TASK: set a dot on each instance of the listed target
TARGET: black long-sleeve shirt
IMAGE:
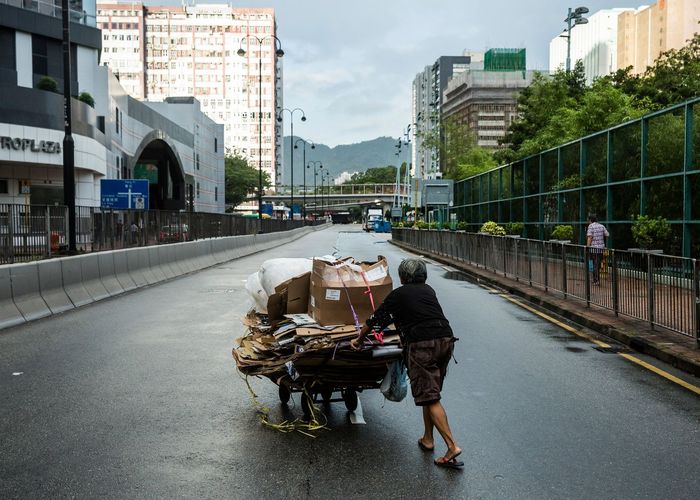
(415, 311)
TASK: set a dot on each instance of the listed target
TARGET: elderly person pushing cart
(428, 344)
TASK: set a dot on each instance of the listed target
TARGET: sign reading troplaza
(21, 144)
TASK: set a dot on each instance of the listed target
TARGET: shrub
(47, 83)
(87, 99)
(564, 232)
(514, 228)
(461, 226)
(491, 227)
(421, 224)
(650, 232)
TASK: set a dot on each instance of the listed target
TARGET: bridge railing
(662, 290)
(31, 232)
(344, 190)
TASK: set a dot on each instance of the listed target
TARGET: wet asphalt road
(138, 397)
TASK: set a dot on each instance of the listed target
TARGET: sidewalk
(672, 348)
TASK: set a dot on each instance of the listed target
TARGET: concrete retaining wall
(36, 290)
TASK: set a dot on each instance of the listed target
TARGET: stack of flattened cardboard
(301, 350)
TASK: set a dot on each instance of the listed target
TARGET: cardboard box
(336, 285)
(290, 297)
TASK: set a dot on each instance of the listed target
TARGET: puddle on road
(576, 349)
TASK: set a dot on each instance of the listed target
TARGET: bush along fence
(660, 289)
(31, 232)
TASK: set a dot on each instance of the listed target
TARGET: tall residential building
(645, 33)
(168, 51)
(427, 96)
(595, 44)
(486, 99)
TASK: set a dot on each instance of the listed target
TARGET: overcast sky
(349, 64)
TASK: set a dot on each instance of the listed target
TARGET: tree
(460, 155)
(241, 179)
(377, 175)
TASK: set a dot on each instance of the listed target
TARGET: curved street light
(313, 146)
(291, 142)
(320, 166)
(279, 53)
(574, 18)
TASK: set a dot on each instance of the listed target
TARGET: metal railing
(31, 232)
(662, 290)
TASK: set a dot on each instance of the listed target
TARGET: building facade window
(197, 190)
(216, 193)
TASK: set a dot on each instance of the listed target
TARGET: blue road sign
(124, 194)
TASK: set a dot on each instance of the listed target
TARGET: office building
(486, 99)
(645, 33)
(594, 44)
(169, 51)
(172, 144)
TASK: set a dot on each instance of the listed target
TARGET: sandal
(424, 447)
(449, 463)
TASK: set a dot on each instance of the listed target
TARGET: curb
(671, 354)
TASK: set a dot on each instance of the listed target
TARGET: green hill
(342, 158)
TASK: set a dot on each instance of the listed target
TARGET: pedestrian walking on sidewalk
(596, 237)
(428, 343)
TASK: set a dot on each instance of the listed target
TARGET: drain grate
(613, 349)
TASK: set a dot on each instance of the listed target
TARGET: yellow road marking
(662, 373)
(629, 357)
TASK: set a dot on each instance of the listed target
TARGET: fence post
(11, 232)
(615, 284)
(505, 274)
(587, 256)
(696, 296)
(650, 289)
(48, 231)
(517, 259)
(545, 260)
(529, 262)
(564, 279)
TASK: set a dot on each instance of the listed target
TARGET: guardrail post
(650, 289)
(517, 259)
(615, 284)
(503, 242)
(529, 262)
(564, 280)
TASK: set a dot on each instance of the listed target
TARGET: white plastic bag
(273, 272)
(257, 293)
(395, 383)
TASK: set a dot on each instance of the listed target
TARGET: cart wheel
(350, 399)
(307, 404)
(327, 394)
(284, 394)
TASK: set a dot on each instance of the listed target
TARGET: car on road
(173, 233)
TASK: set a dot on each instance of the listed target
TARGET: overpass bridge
(334, 198)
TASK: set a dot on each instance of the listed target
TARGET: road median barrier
(72, 272)
(9, 314)
(51, 286)
(109, 280)
(26, 292)
(121, 270)
(91, 276)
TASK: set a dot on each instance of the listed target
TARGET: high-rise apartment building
(191, 50)
(645, 33)
(594, 44)
(427, 97)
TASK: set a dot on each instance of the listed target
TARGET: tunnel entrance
(158, 163)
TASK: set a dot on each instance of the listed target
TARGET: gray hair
(413, 271)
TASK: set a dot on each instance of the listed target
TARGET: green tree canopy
(377, 175)
(241, 179)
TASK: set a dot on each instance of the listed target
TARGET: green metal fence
(648, 166)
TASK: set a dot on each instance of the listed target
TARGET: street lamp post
(327, 176)
(574, 18)
(279, 53)
(304, 167)
(291, 142)
(68, 143)
(309, 165)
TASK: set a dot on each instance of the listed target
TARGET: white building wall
(23, 59)
(594, 43)
(87, 69)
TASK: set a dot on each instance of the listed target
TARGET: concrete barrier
(205, 252)
(26, 292)
(164, 261)
(153, 260)
(173, 262)
(9, 314)
(121, 269)
(90, 266)
(51, 286)
(182, 257)
(72, 272)
(105, 261)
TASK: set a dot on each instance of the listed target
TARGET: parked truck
(372, 214)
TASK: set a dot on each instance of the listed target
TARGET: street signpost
(124, 194)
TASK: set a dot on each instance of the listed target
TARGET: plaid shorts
(427, 362)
